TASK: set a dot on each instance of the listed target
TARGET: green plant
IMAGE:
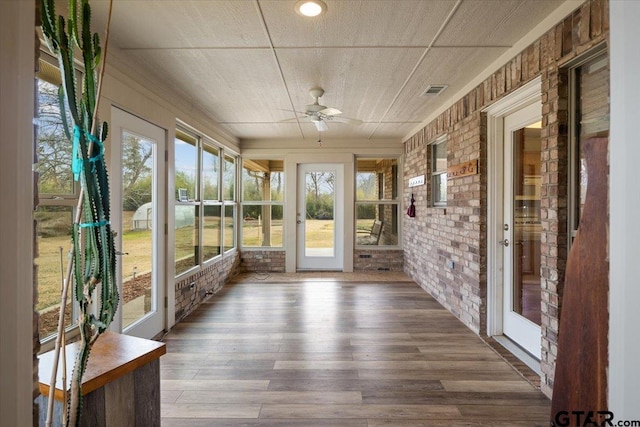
(92, 265)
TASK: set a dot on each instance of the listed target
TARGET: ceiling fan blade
(330, 111)
(347, 120)
(321, 125)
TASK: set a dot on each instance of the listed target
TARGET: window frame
(573, 184)
(381, 202)
(435, 173)
(201, 143)
(271, 203)
(65, 200)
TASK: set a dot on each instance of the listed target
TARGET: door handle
(504, 242)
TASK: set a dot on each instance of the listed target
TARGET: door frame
(303, 261)
(528, 94)
(521, 330)
(119, 122)
(292, 161)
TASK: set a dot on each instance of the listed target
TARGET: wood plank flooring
(336, 350)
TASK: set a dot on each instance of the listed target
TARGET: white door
(138, 203)
(522, 229)
(319, 217)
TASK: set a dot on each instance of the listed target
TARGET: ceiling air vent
(434, 90)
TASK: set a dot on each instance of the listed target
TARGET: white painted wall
(17, 36)
(624, 221)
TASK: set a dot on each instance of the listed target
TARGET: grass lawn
(137, 243)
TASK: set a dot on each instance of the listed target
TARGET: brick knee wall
(192, 290)
(262, 261)
(378, 260)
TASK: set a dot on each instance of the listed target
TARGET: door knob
(504, 242)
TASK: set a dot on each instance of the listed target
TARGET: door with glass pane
(522, 228)
(138, 204)
(320, 233)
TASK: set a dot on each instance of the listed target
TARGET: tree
(54, 150)
(320, 186)
(136, 172)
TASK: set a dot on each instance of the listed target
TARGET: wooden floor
(332, 349)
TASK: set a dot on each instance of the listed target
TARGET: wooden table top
(112, 356)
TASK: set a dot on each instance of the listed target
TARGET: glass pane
(211, 231)
(229, 178)
(440, 157)
(229, 227)
(439, 184)
(376, 179)
(210, 168)
(53, 146)
(592, 119)
(319, 222)
(186, 164)
(186, 237)
(439, 174)
(366, 186)
(376, 224)
(262, 180)
(527, 229)
(262, 226)
(138, 218)
(54, 242)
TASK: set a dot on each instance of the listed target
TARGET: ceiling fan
(319, 114)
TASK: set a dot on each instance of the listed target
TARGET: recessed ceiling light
(310, 7)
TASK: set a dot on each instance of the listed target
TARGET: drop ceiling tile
(264, 130)
(494, 22)
(182, 24)
(360, 82)
(450, 66)
(234, 85)
(357, 23)
(392, 130)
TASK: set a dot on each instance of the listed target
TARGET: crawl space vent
(434, 90)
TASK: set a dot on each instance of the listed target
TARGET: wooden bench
(121, 385)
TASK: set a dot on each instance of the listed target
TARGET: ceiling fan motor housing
(316, 92)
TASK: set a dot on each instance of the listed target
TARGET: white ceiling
(249, 63)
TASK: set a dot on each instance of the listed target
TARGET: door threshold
(524, 356)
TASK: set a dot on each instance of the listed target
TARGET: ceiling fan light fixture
(310, 8)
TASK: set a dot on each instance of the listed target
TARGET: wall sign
(463, 169)
(416, 181)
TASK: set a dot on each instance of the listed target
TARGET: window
(58, 198)
(201, 215)
(262, 203)
(377, 204)
(439, 172)
(589, 83)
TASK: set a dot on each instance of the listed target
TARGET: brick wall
(195, 288)
(443, 250)
(378, 260)
(262, 261)
(437, 237)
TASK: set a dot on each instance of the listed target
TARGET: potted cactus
(91, 268)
